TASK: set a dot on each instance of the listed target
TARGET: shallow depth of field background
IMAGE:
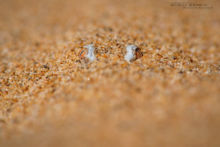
(169, 97)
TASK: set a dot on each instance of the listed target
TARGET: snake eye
(138, 53)
(82, 54)
(90, 54)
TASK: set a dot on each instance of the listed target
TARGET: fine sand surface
(50, 97)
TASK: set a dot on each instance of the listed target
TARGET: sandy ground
(50, 97)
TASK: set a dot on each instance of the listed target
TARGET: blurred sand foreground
(49, 97)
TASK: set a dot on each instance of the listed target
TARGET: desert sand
(50, 97)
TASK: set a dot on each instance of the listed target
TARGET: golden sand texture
(50, 97)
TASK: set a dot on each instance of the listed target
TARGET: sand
(49, 96)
